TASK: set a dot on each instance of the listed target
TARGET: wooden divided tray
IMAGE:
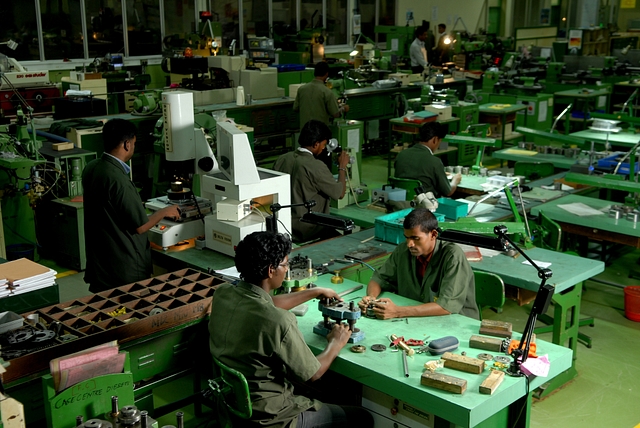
(125, 313)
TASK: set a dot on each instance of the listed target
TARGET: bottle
(240, 96)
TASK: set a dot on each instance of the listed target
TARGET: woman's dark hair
(421, 217)
(116, 131)
(259, 251)
(313, 132)
(432, 129)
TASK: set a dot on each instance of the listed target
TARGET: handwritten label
(87, 390)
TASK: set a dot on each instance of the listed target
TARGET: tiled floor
(606, 392)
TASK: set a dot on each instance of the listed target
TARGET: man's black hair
(313, 132)
(259, 251)
(421, 217)
(321, 69)
(420, 31)
(442, 25)
(115, 132)
(432, 129)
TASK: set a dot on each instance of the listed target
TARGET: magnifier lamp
(10, 44)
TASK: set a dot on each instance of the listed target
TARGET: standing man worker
(418, 51)
(115, 222)
(252, 331)
(419, 163)
(315, 101)
(441, 47)
(425, 269)
(312, 180)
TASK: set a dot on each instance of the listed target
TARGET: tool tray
(150, 306)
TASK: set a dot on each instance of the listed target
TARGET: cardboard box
(402, 77)
(443, 112)
(62, 146)
(293, 89)
(260, 84)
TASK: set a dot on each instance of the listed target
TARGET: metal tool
(351, 290)
(334, 312)
(404, 362)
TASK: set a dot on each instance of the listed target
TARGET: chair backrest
(231, 387)
(489, 290)
(408, 184)
(533, 170)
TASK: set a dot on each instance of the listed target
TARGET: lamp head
(332, 144)
(10, 44)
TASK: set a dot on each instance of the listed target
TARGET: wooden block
(486, 343)
(496, 333)
(496, 325)
(62, 146)
(492, 382)
(444, 382)
(463, 363)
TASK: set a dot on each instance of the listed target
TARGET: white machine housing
(19, 76)
(239, 179)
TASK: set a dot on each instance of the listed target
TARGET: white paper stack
(23, 275)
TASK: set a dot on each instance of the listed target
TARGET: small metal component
(613, 213)
(502, 359)
(463, 353)
(337, 279)
(156, 311)
(350, 290)
(485, 357)
(180, 419)
(97, 423)
(129, 415)
(79, 420)
(19, 336)
(358, 349)
(405, 364)
(378, 347)
(143, 419)
(43, 336)
(114, 406)
(633, 216)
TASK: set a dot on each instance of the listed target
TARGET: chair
(533, 170)
(232, 390)
(408, 184)
(489, 291)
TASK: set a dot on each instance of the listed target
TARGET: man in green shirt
(425, 269)
(419, 162)
(312, 180)
(315, 101)
(253, 332)
(115, 222)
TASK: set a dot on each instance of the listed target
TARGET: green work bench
(625, 139)
(501, 114)
(569, 273)
(383, 371)
(582, 98)
(522, 155)
(599, 227)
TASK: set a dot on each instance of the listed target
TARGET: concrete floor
(607, 389)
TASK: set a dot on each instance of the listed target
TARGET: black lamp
(327, 220)
(545, 291)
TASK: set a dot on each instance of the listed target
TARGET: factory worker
(425, 269)
(315, 101)
(418, 51)
(253, 332)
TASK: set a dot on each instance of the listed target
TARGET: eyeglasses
(284, 265)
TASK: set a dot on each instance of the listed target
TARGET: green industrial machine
(399, 38)
(286, 78)
(350, 136)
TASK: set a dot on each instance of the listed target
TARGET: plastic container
(632, 302)
(240, 96)
(20, 251)
(389, 228)
(610, 162)
(452, 209)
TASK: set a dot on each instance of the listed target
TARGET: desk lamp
(320, 219)
(545, 291)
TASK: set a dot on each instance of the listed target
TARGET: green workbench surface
(628, 139)
(580, 93)
(598, 222)
(628, 84)
(383, 371)
(17, 162)
(515, 154)
(362, 217)
(472, 184)
(501, 109)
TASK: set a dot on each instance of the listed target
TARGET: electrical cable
(524, 405)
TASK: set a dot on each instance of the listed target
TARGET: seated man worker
(425, 269)
(419, 163)
(254, 332)
(312, 180)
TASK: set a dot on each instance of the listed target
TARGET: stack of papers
(75, 368)
(23, 275)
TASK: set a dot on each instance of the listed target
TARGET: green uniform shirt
(247, 332)
(116, 253)
(315, 101)
(418, 163)
(310, 180)
(448, 278)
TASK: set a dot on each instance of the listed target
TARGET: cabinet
(595, 41)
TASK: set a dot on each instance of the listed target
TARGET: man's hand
(385, 309)
(345, 108)
(172, 212)
(343, 159)
(366, 301)
(328, 293)
(339, 335)
(456, 179)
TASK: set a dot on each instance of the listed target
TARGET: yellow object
(337, 279)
